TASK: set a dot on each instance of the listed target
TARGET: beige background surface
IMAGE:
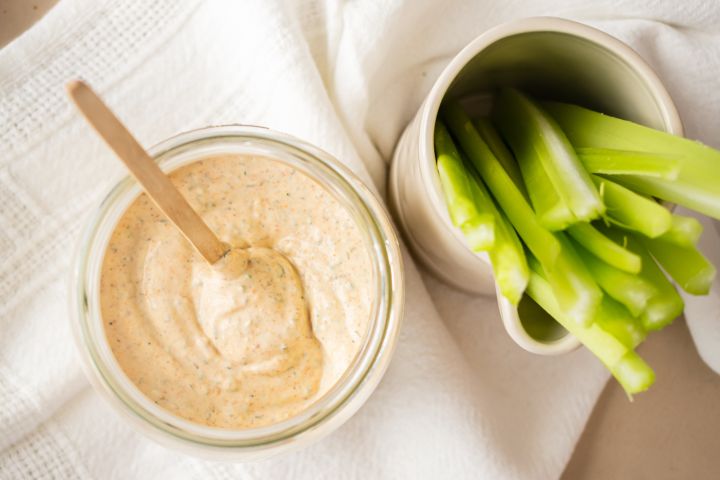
(669, 433)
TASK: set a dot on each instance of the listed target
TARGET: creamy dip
(259, 336)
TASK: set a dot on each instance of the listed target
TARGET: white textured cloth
(460, 400)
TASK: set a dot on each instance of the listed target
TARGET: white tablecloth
(460, 399)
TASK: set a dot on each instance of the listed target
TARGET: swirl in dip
(256, 338)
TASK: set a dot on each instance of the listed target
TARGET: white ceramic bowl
(551, 58)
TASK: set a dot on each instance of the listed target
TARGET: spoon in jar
(155, 183)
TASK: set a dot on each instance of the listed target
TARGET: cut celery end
(497, 146)
(479, 232)
(684, 231)
(663, 307)
(453, 182)
(686, 265)
(605, 249)
(539, 240)
(552, 211)
(573, 286)
(601, 343)
(633, 211)
(629, 289)
(626, 162)
(453, 179)
(507, 255)
(699, 164)
(633, 373)
(533, 133)
(614, 318)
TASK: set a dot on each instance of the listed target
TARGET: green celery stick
(477, 227)
(615, 319)
(507, 255)
(684, 231)
(552, 210)
(633, 211)
(530, 131)
(611, 316)
(633, 373)
(497, 146)
(539, 240)
(686, 265)
(629, 289)
(626, 162)
(573, 286)
(687, 195)
(663, 307)
(610, 351)
(604, 248)
(479, 232)
(698, 183)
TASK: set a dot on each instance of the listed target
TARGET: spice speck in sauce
(256, 338)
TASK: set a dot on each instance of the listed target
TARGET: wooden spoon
(155, 183)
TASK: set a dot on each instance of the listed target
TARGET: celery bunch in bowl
(565, 202)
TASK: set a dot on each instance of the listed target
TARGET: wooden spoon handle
(156, 184)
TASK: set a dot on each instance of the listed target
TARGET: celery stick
(532, 132)
(540, 241)
(477, 228)
(684, 231)
(626, 162)
(604, 248)
(663, 307)
(615, 319)
(479, 232)
(686, 265)
(573, 286)
(497, 146)
(611, 316)
(552, 210)
(676, 191)
(698, 183)
(620, 360)
(629, 289)
(633, 373)
(507, 255)
(633, 211)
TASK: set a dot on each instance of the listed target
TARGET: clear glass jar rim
(368, 366)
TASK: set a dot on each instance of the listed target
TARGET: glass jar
(329, 411)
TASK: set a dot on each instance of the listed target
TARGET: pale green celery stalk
(617, 357)
(625, 162)
(684, 231)
(507, 255)
(633, 211)
(663, 307)
(497, 146)
(552, 211)
(477, 227)
(539, 240)
(700, 200)
(573, 286)
(686, 265)
(604, 248)
(698, 183)
(531, 131)
(614, 318)
(629, 289)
